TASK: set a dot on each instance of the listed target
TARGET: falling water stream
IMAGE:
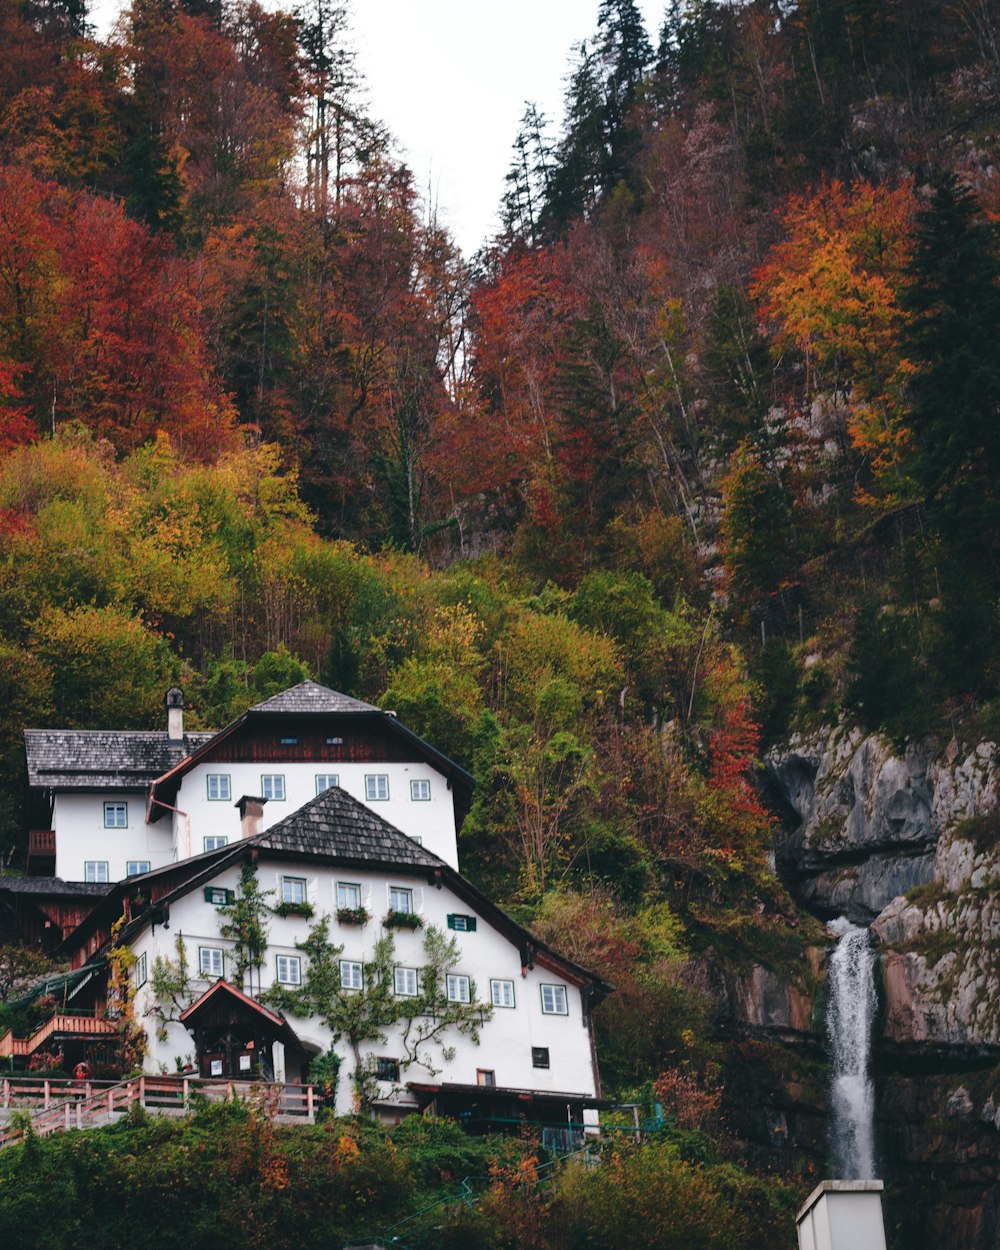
(850, 1017)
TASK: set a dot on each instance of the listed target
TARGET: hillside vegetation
(702, 448)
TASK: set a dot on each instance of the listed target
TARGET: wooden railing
(89, 1026)
(63, 1105)
(42, 842)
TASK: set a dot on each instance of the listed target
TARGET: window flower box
(402, 920)
(352, 915)
(305, 910)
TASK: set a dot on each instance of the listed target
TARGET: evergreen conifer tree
(953, 298)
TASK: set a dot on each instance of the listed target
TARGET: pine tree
(953, 298)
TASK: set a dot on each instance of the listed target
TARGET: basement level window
(554, 1001)
(95, 870)
(115, 815)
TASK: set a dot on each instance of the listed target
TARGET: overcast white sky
(450, 79)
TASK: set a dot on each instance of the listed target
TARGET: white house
(337, 862)
(109, 804)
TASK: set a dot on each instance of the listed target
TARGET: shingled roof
(102, 759)
(50, 886)
(336, 825)
(310, 696)
(336, 828)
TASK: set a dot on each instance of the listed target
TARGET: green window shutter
(219, 897)
(451, 921)
(463, 924)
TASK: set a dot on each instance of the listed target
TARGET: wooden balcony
(58, 1025)
(41, 851)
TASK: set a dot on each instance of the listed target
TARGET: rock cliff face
(863, 823)
(908, 842)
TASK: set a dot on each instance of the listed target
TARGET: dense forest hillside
(701, 451)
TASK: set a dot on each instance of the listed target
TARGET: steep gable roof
(310, 696)
(103, 759)
(336, 826)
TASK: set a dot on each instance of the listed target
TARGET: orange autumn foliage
(830, 290)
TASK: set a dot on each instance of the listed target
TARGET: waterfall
(850, 1017)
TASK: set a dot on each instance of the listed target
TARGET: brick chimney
(251, 814)
(175, 714)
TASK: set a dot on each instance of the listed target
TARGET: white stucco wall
(506, 1040)
(81, 835)
(433, 820)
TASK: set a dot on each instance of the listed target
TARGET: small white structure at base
(842, 1215)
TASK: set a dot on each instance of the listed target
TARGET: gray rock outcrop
(863, 821)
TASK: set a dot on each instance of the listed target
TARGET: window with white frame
(272, 786)
(210, 961)
(376, 787)
(293, 889)
(554, 1002)
(502, 993)
(458, 988)
(136, 867)
(219, 787)
(115, 815)
(326, 781)
(289, 970)
(400, 899)
(140, 971)
(95, 870)
(348, 896)
(405, 982)
(351, 975)
(214, 840)
(420, 791)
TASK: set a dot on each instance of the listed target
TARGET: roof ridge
(311, 696)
